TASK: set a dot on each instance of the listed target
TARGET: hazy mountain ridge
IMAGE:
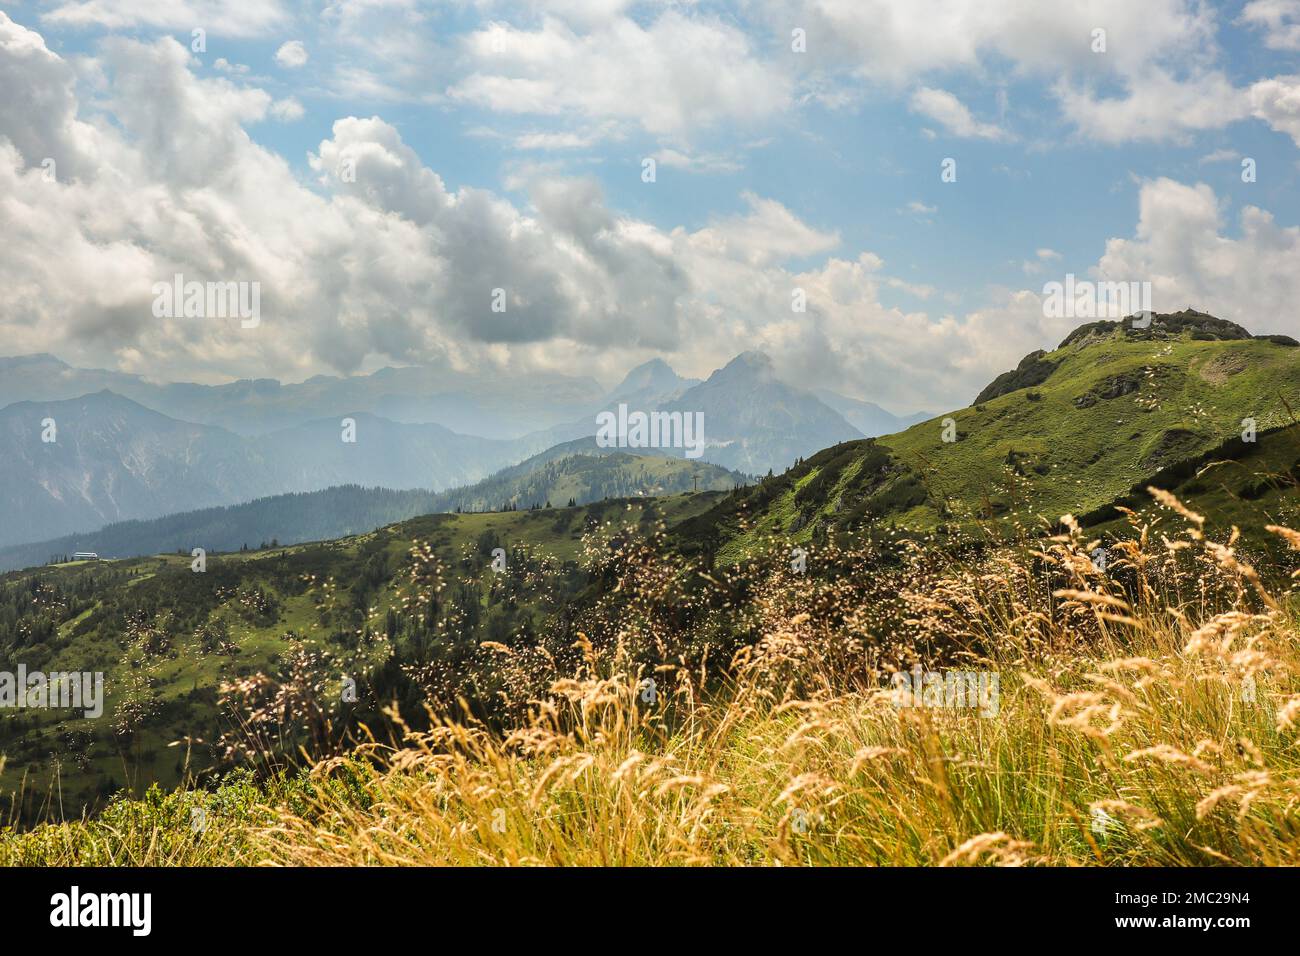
(115, 460)
(118, 458)
(868, 417)
(580, 472)
(493, 406)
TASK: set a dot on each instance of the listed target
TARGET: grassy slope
(1132, 739)
(1030, 456)
(186, 680)
(1192, 395)
(587, 476)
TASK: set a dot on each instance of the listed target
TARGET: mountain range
(575, 473)
(130, 449)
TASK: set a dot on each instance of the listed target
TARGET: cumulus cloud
(1038, 263)
(896, 43)
(676, 73)
(235, 18)
(1120, 71)
(1156, 106)
(380, 259)
(1277, 102)
(1182, 247)
(42, 122)
(387, 261)
(1279, 19)
(288, 110)
(291, 55)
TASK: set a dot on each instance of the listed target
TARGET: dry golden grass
(1147, 714)
(1130, 731)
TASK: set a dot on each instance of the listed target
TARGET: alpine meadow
(590, 434)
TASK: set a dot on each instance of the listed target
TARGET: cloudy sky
(798, 144)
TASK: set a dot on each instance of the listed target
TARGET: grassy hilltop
(1070, 432)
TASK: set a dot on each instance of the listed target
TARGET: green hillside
(422, 594)
(582, 472)
(1069, 432)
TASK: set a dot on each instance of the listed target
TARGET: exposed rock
(1174, 444)
(1118, 385)
(1166, 325)
(1034, 369)
(1113, 387)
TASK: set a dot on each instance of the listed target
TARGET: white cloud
(1277, 102)
(1219, 156)
(1280, 19)
(897, 43)
(160, 177)
(234, 18)
(1041, 257)
(1161, 55)
(291, 55)
(697, 162)
(288, 110)
(675, 74)
(552, 141)
(768, 233)
(949, 112)
(1156, 106)
(1180, 246)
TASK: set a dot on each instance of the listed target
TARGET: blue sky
(777, 169)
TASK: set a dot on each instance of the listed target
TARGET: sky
(380, 167)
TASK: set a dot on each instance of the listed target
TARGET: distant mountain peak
(655, 366)
(752, 366)
(35, 358)
(655, 378)
(752, 359)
